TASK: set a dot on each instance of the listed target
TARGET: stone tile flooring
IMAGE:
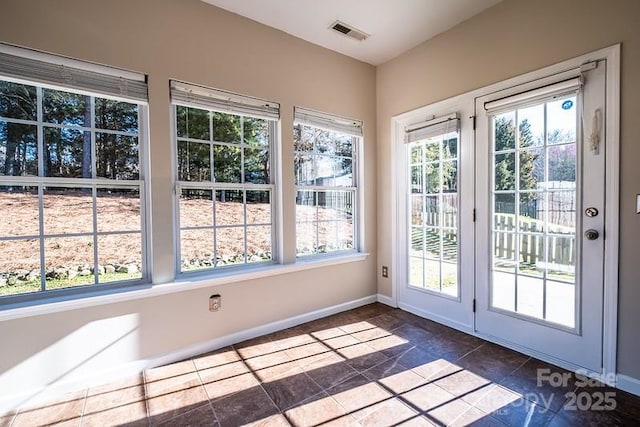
(373, 365)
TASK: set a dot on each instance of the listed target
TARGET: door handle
(591, 234)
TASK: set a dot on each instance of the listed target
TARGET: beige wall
(514, 37)
(195, 42)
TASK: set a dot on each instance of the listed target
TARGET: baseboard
(628, 384)
(51, 391)
(442, 320)
(248, 334)
(383, 299)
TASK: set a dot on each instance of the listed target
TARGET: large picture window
(224, 155)
(71, 184)
(326, 149)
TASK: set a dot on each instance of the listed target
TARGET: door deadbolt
(591, 234)
(591, 212)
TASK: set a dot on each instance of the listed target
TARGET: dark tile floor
(370, 366)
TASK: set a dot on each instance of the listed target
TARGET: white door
(436, 212)
(540, 180)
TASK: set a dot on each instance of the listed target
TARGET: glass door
(540, 200)
(436, 213)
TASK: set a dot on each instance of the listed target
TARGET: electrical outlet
(385, 271)
(215, 302)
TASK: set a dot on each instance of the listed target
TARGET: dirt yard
(64, 214)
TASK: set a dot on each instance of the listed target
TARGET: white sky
(557, 117)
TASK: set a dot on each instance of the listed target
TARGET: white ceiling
(394, 26)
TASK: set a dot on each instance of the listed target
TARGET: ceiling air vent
(348, 31)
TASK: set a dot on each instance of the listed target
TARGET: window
(224, 149)
(432, 149)
(71, 176)
(326, 162)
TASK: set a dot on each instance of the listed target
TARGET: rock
(3, 281)
(255, 258)
(59, 273)
(12, 280)
(85, 272)
(22, 274)
(131, 269)
(33, 275)
(121, 269)
(71, 274)
(101, 269)
(109, 269)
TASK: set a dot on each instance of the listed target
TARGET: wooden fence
(561, 250)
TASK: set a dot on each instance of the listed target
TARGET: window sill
(181, 284)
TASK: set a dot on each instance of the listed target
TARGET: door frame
(612, 190)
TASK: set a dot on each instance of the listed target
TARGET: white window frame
(355, 129)
(216, 100)
(47, 71)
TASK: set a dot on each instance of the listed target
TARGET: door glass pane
(531, 169)
(433, 242)
(504, 176)
(561, 258)
(505, 131)
(561, 121)
(432, 273)
(534, 211)
(561, 214)
(530, 296)
(531, 126)
(449, 278)
(503, 290)
(560, 303)
(417, 210)
(416, 271)
(433, 178)
(432, 211)
(562, 165)
(531, 254)
(504, 212)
